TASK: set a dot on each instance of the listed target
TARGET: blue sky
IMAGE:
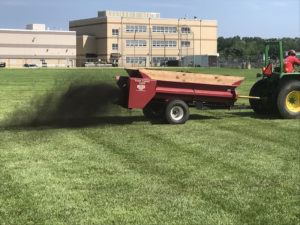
(260, 18)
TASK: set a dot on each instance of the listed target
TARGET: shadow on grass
(254, 115)
(94, 122)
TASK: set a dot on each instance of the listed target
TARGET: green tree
(251, 48)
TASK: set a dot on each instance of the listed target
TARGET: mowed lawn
(221, 167)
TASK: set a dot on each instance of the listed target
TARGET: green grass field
(221, 167)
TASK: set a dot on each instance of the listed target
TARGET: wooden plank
(214, 79)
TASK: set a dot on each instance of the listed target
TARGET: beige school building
(142, 39)
(36, 46)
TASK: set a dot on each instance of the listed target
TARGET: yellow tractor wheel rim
(293, 101)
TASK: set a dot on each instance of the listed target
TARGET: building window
(134, 28)
(115, 32)
(136, 43)
(164, 43)
(185, 30)
(162, 61)
(90, 57)
(186, 44)
(136, 60)
(157, 29)
(115, 46)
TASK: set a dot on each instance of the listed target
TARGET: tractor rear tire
(288, 101)
(265, 105)
(177, 112)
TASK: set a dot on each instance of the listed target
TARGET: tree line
(252, 48)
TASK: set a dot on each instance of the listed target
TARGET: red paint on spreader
(141, 89)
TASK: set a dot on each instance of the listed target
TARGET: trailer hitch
(251, 97)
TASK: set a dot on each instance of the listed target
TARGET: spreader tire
(177, 112)
(264, 105)
(288, 101)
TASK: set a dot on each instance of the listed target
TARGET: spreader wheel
(288, 101)
(177, 112)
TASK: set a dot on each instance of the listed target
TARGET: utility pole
(200, 36)
(118, 48)
(164, 49)
(194, 49)
(134, 48)
(186, 43)
(179, 43)
(150, 44)
(122, 51)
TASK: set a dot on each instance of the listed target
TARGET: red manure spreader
(169, 94)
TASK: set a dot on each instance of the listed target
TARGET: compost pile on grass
(78, 105)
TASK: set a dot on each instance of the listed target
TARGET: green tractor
(278, 92)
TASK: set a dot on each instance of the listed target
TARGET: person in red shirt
(290, 61)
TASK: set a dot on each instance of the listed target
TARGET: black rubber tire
(177, 112)
(265, 105)
(285, 89)
(153, 110)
